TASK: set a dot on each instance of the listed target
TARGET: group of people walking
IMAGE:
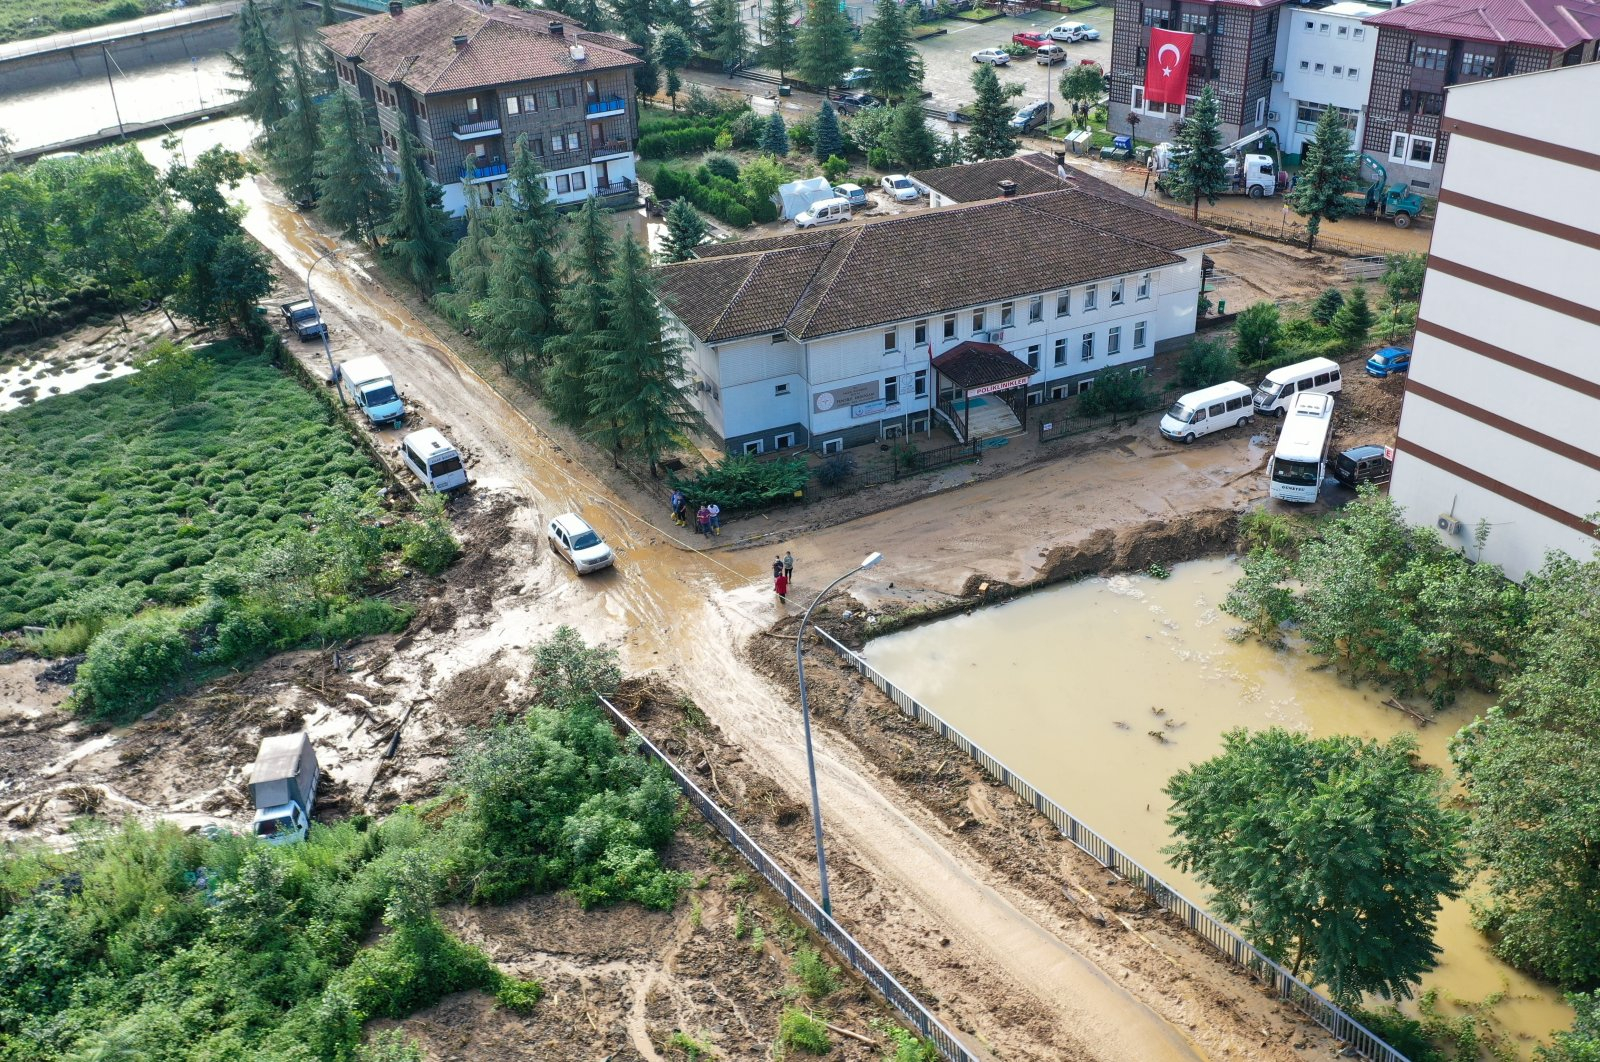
(707, 519)
(782, 572)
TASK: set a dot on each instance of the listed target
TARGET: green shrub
(764, 211)
(391, 1045)
(413, 967)
(131, 665)
(1206, 362)
(742, 482)
(1116, 390)
(519, 996)
(723, 166)
(430, 545)
(799, 1031)
(817, 979)
(836, 469)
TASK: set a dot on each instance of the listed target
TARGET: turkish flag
(1166, 72)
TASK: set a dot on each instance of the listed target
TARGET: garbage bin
(783, 90)
(1222, 307)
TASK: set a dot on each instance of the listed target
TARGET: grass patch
(109, 488)
(977, 14)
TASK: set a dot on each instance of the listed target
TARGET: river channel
(1098, 692)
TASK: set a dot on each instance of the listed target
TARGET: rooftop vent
(459, 40)
(558, 29)
(1008, 188)
(395, 7)
(579, 53)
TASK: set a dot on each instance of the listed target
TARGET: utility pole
(105, 54)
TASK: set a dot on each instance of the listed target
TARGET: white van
(1207, 410)
(433, 460)
(1319, 376)
(823, 212)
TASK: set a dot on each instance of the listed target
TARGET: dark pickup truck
(303, 319)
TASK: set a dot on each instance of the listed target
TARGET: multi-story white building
(827, 338)
(1324, 59)
(1498, 424)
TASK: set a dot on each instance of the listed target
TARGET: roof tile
(1553, 24)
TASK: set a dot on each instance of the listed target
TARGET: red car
(1030, 40)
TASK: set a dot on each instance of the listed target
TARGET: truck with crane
(1250, 173)
(1381, 199)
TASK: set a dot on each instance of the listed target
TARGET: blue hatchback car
(1389, 360)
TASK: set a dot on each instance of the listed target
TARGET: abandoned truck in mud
(283, 787)
(371, 387)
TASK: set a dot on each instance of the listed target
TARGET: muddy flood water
(1098, 692)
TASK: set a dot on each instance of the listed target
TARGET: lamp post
(332, 375)
(805, 719)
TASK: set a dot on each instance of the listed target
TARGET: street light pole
(332, 375)
(805, 719)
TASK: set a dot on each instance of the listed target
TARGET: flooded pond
(61, 373)
(1098, 692)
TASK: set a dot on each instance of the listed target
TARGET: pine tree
(1327, 305)
(780, 40)
(952, 152)
(826, 140)
(640, 400)
(1328, 173)
(518, 317)
(328, 15)
(1199, 166)
(418, 230)
(471, 262)
(634, 18)
(259, 64)
(822, 48)
(991, 137)
(1354, 319)
(673, 51)
(352, 194)
(294, 150)
(581, 313)
(909, 139)
(775, 137)
(729, 44)
(895, 63)
(685, 229)
(682, 14)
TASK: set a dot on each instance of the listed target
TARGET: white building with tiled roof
(826, 338)
(468, 79)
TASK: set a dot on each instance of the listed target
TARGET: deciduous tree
(518, 315)
(1402, 276)
(823, 45)
(780, 42)
(1199, 167)
(895, 63)
(1331, 854)
(685, 229)
(418, 229)
(673, 51)
(175, 374)
(352, 194)
(991, 137)
(215, 272)
(1258, 334)
(1328, 174)
(1084, 83)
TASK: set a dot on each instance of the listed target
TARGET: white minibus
(433, 460)
(1318, 375)
(1301, 457)
(1207, 410)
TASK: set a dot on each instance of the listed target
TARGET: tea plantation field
(108, 487)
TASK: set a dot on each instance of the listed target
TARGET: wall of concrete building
(58, 62)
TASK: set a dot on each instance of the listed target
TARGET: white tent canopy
(799, 195)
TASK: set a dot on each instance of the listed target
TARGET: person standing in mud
(677, 507)
(777, 567)
(780, 583)
(716, 518)
(702, 520)
(788, 565)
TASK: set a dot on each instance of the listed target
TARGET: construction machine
(1250, 173)
(1382, 199)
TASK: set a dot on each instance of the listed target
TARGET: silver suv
(580, 544)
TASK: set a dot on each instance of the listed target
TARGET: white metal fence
(1234, 947)
(842, 942)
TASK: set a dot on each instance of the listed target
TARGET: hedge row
(689, 141)
(728, 201)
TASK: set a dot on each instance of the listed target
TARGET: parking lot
(948, 66)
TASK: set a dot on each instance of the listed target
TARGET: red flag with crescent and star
(1166, 72)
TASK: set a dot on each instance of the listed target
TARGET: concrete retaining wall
(76, 61)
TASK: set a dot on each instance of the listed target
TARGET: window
(1116, 293)
(1305, 64)
(1421, 151)
(1318, 69)
(390, 142)
(891, 340)
(1144, 285)
(1190, 22)
(422, 110)
(538, 145)
(1477, 64)
(591, 91)
(1091, 297)
(1033, 357)
(472, 106)
(554, 96)
(919, 383)
(833, 446)
(891, 390)
(1138, 335)
(1008, 315)
(778, 337)
(949, 326)
(784, 441)
(1157, 17)
(1306, 116)
(1338, 71)
(780, 390)
(1322, 29)
(1344, 31)
(513, 106)
(1084, 385)
(1086, 347)
(1352, 73)
(1063, 303)
(530, 103)
(1061, 351)
(977, 320)
(1425, 58)
(919, 333)
(1412, 150)
(1036, 309)
(1360, 34)
(1309, 25)
(1114, 341)
(753, 447)
(480, 150)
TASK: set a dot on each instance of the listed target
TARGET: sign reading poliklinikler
(1166, 71)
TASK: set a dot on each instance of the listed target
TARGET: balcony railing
(487, 172)
(609, 147)
(612, 105)
(476, 130)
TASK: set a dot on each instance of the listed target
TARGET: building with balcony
(1324, 60)
(836, 336)
(1425, 47)
(467, 79)
(1504, 389)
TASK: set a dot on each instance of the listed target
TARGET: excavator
(1249, 172)
(1381, 199)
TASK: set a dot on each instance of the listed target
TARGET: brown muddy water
(1098, 692)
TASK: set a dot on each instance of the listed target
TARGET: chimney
(1008, 188)
(579, 53)
(395, 7)
(558, 29)
(459, 40)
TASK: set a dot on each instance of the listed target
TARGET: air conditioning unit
(1448, 524)
(997, 335)
(1272, 116)
(1277, 77)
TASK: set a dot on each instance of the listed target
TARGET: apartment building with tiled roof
(829, 337)
(1427, 46)
(468, 78)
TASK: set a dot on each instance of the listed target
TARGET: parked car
(991, 55)
(1032, 116)
(851, 102)
(1388, 361)
(1030, 40)
(1050, 54)
(303, 319)
(579, 544)
(853, 194)
(1072, 32)
(1362, 464)
(859, 76)
(823, 212)
(898, 186)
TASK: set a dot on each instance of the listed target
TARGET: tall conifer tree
(418, 230)
(518, 317)
(582, 315)
(352, 194)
